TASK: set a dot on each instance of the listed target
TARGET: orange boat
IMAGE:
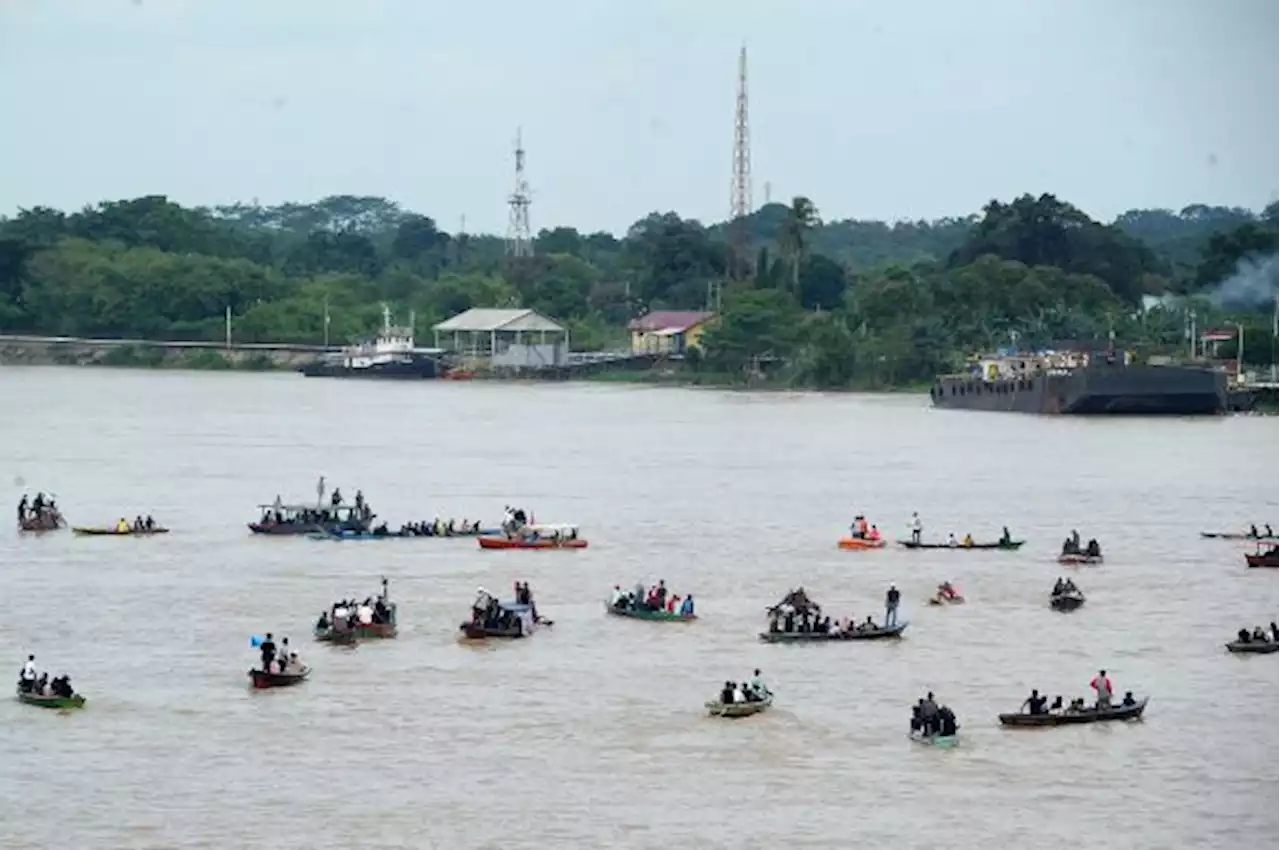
(536, 537)
(857, 543)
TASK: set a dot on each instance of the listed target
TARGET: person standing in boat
(891, 598)
(27, 678)
(758, 686)
(917, 528)
(22, 508)
(928, 715)
(37, 504)
(268, 651)
(1005, 537)
(1101, 685)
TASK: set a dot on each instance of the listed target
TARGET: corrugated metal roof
(665, 319)
(485, 319)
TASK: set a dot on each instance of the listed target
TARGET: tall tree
(793, 236)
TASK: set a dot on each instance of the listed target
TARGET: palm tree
(793, 236)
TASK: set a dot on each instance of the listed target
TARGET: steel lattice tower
(740, 204)
(519, 237)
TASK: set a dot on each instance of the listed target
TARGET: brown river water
(592, 733)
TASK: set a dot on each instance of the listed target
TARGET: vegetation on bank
(839, 304)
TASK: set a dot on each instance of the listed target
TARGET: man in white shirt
(365, 614)
(29, 673)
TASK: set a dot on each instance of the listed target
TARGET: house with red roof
(668, 332)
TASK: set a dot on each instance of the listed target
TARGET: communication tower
(519, 238)
(740, 205)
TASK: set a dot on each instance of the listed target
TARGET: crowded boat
(1065, 596)
(1072, 552)
(931, 722)
(334, 516)
(1259, 641)
(350, 619)
(38, 689)
(655, 603)
(799, 618)
(39, 514)
(442, 528)
(491, 617)
(280, 663)
(1036, 710)
(739, 699)
(862, 535)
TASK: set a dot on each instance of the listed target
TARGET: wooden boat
(116, 532)
(1255, 647)
(537, 537)
(878, 633)
(361, 631)
(939, 599)
(354, 534)
(263, 679)
(1070, 718)
(291, 520)
(646, 614)
(943, 742)
(1010, 545)
(1066, 601)
(526, 624)
(1263, 558)
(715, 708)
(860, 543)
(45, 522)
(1235, 535)
(476, 631)
(73, 701)
(1080, 559)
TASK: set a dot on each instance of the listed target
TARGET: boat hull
(260, 679)
(1232, 535)
(410, 368)
(833, 637)
(471, 631)
(1253, 647)
(1095, 390)
(1080, 560)
(373, 631)
(856, 544)
(539, 543)
(1065, 602)
(1012, 545)
(112, 532)
(715, 708)
(657, 616)
(1131, 712)
(75, 701)
(395, 535)
(1268, 561)
(942, 742)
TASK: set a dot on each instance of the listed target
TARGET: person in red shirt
(1101, 685)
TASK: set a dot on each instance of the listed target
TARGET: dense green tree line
(823, 303)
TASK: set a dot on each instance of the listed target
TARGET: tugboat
(1077, 381)
(390, 355)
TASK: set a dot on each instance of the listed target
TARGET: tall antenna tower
(740, 205)
(519, 239)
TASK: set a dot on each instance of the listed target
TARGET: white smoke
(1254, 284)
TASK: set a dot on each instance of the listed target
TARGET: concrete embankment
(76, 351)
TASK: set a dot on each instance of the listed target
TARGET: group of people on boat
(514, 520)
(930, 720)
(656, 598)
(38, 512)
(813, 622)
(351, 614)
(1071, 546)
(1065, 587)
(138, 526)
(437, 528)
(40, 685)
(490, 614)
(860, 530)
(753, 691)
(1101, 686)
(1266, 534)
(948, 592)
(279, 660)
(1259, 635)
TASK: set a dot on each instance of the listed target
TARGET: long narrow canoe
(1255, 647)
(115, 532)
(395, 535)
(1070, 718)
(823, 637)
(646, 614)
(944, 742)
(1235, 535)
(262, 679)
(74, 701)
(999, 544)
(715, 708)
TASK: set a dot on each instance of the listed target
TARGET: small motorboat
(860, 543)
(264, 679)
(73, 701)
(1253, 647)
(715, 708)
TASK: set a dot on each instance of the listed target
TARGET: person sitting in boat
(1035, 704)
(686, 606)
(1059, 587)
(874, 534)
(1005, 537)
(726, 693)
(336, 499)
(946, 590)
(951, 540)
(1068, 548)
(868, 625)
(968, 540)
(1093, 550)
(1056, 706)
(946, 726)
(122, 527)
(917, 717)
(1259, 635)
(1128, 699)
(61, 687)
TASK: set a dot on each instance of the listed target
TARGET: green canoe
(945, 742)
(645, 614)
(76, 701)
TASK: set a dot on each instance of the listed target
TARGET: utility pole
(228, 326)
(519, 238)
(740, 204)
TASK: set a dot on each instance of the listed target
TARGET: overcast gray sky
(890, 109)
